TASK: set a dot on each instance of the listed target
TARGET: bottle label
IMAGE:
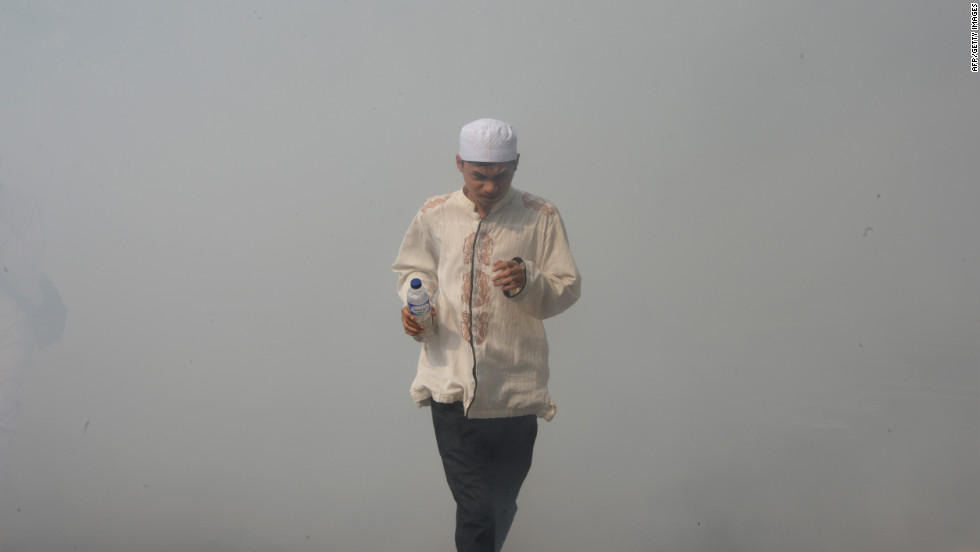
(419, 310)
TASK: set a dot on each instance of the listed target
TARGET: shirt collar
(470, 207)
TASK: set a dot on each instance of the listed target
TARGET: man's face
(486, 183)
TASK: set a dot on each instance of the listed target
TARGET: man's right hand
(412, 327)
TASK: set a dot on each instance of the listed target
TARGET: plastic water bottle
(418, 305)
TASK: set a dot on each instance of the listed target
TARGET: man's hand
(412, 327)
(510, 276)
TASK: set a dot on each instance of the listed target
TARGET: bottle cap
(416, 283)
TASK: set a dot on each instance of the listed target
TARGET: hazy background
(774, 206)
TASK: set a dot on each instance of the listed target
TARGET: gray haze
(774, 206)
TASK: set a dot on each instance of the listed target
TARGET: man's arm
(552, 281)
(417, 258)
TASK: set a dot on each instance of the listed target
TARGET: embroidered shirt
(488, 351)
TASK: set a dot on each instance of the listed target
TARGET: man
(484, 367)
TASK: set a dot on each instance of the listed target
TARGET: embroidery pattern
(482, 289)
(481, 327)
(486, 248)
(435, 202)
(538, 204)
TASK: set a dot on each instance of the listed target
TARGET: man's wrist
(515, 292)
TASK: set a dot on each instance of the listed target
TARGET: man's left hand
(510, 275)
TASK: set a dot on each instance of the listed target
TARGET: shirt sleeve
(417, 258)
(552, 281)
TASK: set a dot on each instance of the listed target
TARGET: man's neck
(480, 210)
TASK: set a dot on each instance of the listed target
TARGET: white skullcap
(488, 141)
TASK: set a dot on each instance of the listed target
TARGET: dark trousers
(486, 462)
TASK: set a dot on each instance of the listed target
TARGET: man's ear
(459, 163)
(516, 161)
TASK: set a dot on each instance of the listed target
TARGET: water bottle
(418, 305)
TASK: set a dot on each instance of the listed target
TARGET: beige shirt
(488, 351)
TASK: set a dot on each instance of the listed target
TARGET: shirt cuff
(515, 292)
